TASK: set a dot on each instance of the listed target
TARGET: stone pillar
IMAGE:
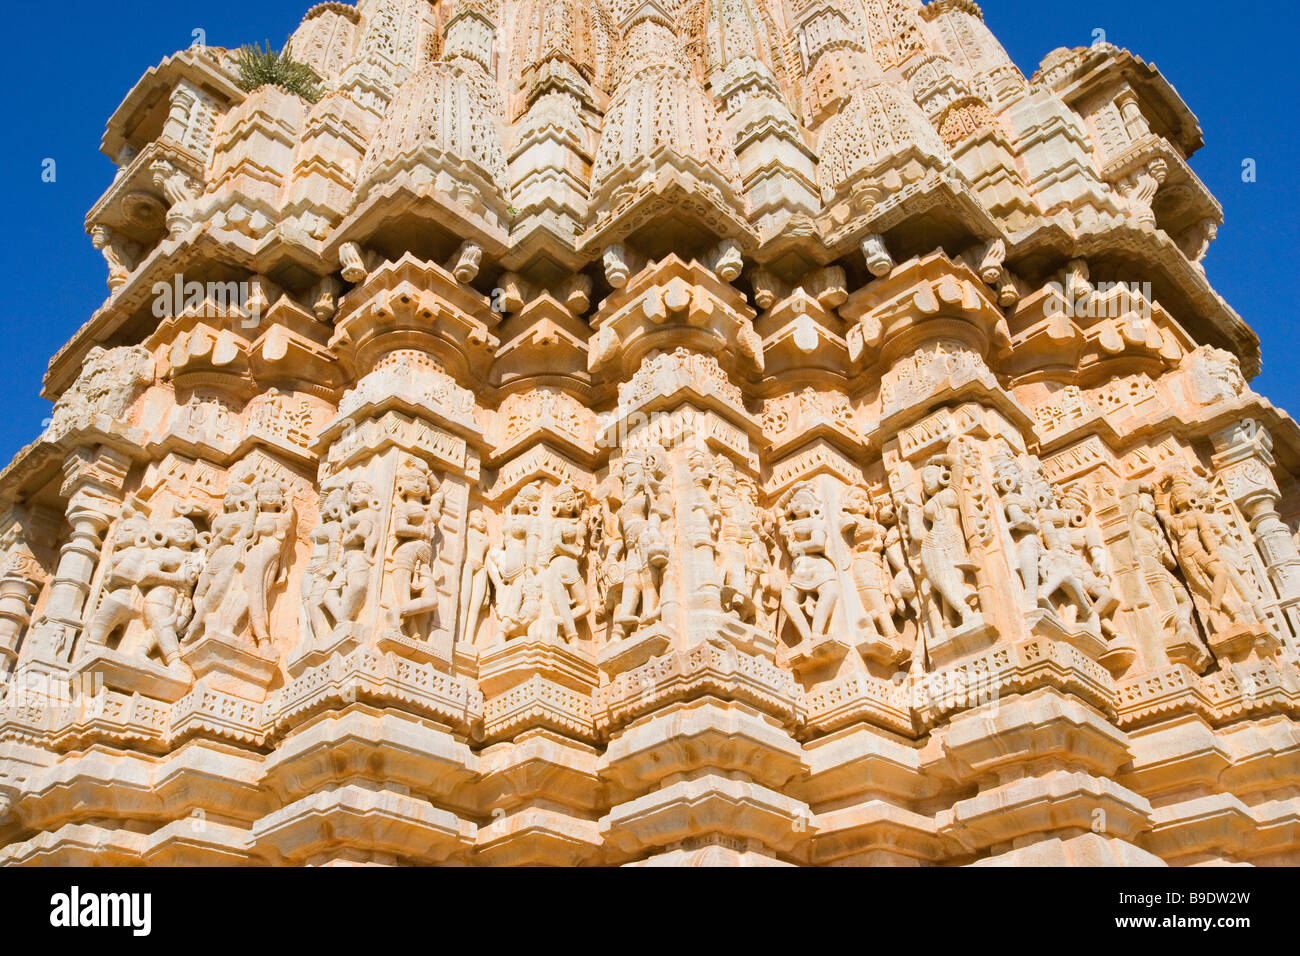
(93, 486)
(19, 585)
(1243, 455)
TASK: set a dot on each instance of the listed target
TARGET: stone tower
(654, 432)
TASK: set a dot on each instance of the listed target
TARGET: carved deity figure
(324, 562)
(1205, 555)
(149, 578)
(812, 590)
(866, 538)
(245, 561)
(1157, 563)
(945, 558)
(702, 521)
(264, 558)
(231, 532)
(741, 553)
(1095, 564)
(359, 533)
(566, 584)
(902, 590)
(474, 577)
(646, 505)
(416, 515)
(517, 591)
(1020, 509)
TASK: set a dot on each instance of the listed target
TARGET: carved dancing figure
(474, 577)
(945, 559)
(231, 531)
(166, 584)
(324, 563)
(741, 552)
(416, 515)
(1020, 509)
(812, 591)
(358, 543)
(646, 506)
(518, 598)
(1200, 552)
(866, 538)
(263, 560)
(566, 584)
(1096, 567)
(1158, 563)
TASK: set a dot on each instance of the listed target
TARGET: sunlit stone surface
(681, 432)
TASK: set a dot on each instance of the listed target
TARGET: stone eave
(1185, 292)
(197, 66)
(272, 253)
(1179, 124)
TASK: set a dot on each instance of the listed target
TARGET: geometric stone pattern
(679, 432)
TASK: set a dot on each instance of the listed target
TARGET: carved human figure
(945, 558)
(866, 538)
(812, 591)
(1157, 563)
(324, 563)
(150, 578)
(902, 591)
(1063, 567)
(1020, 509)
(416, 515)
(565, 583)
(741, 552)
(358, 543)
(263, 560)
(512, 563)
(231, 532)
(646, 506)
(703, 519)
(1222, 592)
(474, 577)
(1096, 568)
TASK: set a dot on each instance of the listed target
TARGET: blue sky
(69, 65)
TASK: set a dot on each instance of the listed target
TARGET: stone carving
(935, 523)
(149, 578)
(538, 572)
(812, 590)
(673, 432)
(1211, 564)
(644, 506)
(244, 562)
(1158, 564)
(867, 539)
(417, 513)
(742, 554)
(110, 382)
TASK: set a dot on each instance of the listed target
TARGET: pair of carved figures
(149, 578)
(870, 563)
(1192, 562)
(535, 572)
(244, 562)
(1057, 552)
(181, 582)
(345, 547)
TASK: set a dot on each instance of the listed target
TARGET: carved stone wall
(654, 433)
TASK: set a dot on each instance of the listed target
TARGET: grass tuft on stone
(265, 67)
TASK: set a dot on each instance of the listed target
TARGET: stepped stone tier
(667, 432)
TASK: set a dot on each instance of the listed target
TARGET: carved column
(1244, 458)
(93, 486)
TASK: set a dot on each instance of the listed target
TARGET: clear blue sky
(69, 65)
